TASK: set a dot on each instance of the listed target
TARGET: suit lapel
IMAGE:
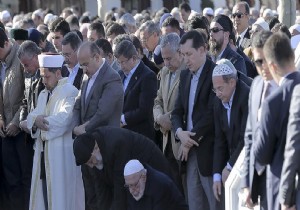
(257, 98)
(134, 78)
(78, 78)
(175, 82)
(205, 69)
(187, 87)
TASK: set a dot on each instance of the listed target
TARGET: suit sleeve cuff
(217, 177)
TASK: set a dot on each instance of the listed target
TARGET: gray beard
(214, 48)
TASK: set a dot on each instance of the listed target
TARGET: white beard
(141, 193)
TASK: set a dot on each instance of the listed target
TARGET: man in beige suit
(165, 100)
(99, 103)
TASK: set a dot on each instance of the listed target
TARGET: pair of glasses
(218, 90)
(127, 186)
(238, 15)
(259, 62)
(216, 30)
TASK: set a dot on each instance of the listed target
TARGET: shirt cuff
(228, 166)
(217, 177)
(176, 136)
(123, 120)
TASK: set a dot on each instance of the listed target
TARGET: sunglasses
(216, 30)
(259, 62)
(238, 15)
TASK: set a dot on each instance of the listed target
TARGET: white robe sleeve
(60, 121)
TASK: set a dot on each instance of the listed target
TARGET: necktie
(238, 41)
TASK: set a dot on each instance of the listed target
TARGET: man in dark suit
(271, 134)
(254, 183)
(70, 44)
(98, 103)
(150, 189)
(220, 30)
(289, 195)
(230, 116)
(140, 86)
(106, 151)
(240, 18)
(192, 121)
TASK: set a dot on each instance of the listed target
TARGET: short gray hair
(170, 40)
(151, 27)
(127, 19)
(28, 48)
(126, 49)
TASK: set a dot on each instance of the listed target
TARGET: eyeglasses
(216, 30)
(127, 186)
(238, 15)
(67, 55)
(219, 89)
(259, 62)
(122, 62)
(145, 39)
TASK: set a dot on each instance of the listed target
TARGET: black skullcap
(83, 146)
(224, 21)
(34, 35)
(19, 34)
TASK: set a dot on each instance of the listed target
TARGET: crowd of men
(148, 111)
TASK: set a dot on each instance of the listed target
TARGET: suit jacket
(291, 164)
(254, 103)
(152, 66)
(33, 87)
(202, 115)
(117, 147)
(103, 105)
(139, 99)
(269, 147)
(229, 140)
(78, 79)
(12, 88)
(235, 59)
(251, 69)
(164, 104)
(160, 193)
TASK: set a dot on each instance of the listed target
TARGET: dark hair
(84, 19)
(260, 38)
(72, 20)
(195, 36)
(98, 27)
(172, 22)
(278, 49)
(78, 33)
(59, 25)
(136, 42)
(73, 39)
(120, 38)
(104, 45)
(3, 37)
(282, 28)
(126, 49)
(246, 5)
(272, 22)
(185, 6)
(115, 29)
(198, 22)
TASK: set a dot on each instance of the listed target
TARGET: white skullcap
(294, 27)
(219, 11)
(48, 18)
(262, 23)
(268, 13)
(132, 167)
(5, 15)
(50, 61)
(208, 11)
(224, 67)
(295, 40)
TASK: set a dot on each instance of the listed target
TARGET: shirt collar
(133, 70)
(243, 34)
(282, 80)
(228, 105)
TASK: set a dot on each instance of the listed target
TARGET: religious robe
(64, 181)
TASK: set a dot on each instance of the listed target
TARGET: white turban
(50, 61)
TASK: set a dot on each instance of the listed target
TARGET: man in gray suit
(288, 195)
(99, 103)
(254, 181)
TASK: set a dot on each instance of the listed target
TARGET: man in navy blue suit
(271, 134)
(140, 86)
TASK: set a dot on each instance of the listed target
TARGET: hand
(164, 121)
(246, 198)
(23, 126)
(285, 207)
(41, 122)
(185, 138)
(78, 130)
(217, 187)
(225, 174)
(183, 153)
(12, 130)
(2, 129)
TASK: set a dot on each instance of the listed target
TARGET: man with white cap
(56, 180)
(230, 116)
(106, 151)
(208, 13)
(150, 189)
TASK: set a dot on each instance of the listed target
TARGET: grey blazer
(103, 106)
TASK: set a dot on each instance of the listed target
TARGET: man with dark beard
(220, 29)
